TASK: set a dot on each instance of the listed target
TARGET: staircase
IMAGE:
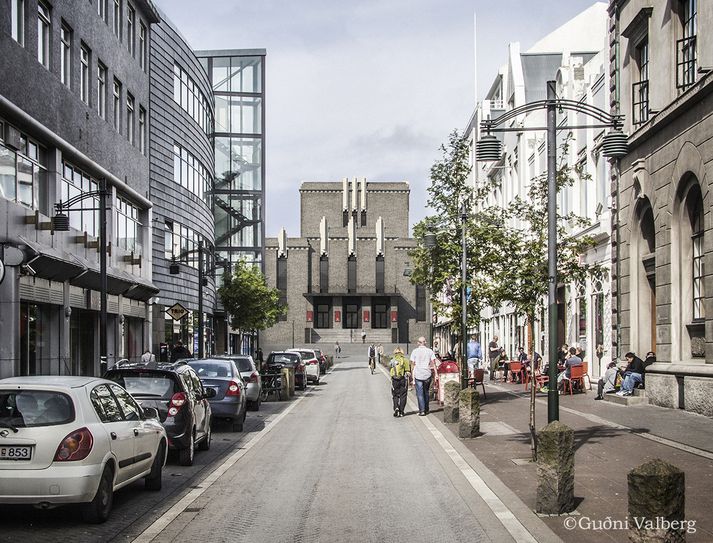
(329, 336)
(638, 397)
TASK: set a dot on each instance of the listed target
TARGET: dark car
(230, 399)
(281, 359)
(178, 395)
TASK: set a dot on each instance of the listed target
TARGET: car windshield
(307, 355)
(32, 408)
(146, 384)
(283, 358)
(243, 364)
(207, 369)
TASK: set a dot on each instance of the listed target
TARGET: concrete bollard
(287, 391)
(555, 469)
(469, 413)
(450, 401)
(657, 499)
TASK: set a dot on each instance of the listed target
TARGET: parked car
(311, 362)
(323, 362)
(280, 359)
(75, 440)
(223, 376)
(177, 393)
(248, 371)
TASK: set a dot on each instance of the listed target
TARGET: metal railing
(685, 62)
(640, 102)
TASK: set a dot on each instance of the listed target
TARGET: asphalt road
(333, 465)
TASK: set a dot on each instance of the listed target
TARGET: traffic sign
(177, 311)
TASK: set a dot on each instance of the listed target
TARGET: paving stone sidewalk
(610, 440)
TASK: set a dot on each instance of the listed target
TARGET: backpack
(398, 366)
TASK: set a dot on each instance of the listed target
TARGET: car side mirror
(209, 393)
(150, 413)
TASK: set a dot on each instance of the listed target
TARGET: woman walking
(400, 372)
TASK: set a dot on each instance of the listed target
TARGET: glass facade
(238, 80)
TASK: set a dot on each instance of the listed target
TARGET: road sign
(177, 312)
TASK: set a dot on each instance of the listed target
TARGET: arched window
(643, 279)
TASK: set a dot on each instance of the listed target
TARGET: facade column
(64, 332)
(10, 322)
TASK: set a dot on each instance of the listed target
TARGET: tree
(251, 304)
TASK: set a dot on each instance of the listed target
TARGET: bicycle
(372, 364)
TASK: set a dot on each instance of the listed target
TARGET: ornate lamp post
(614, 145)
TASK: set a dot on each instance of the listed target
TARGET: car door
(195, 405)
(202, 404)
(121, 431)
(145, 443)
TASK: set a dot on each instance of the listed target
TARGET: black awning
(142, 290)
(117, 281)
(50, 263)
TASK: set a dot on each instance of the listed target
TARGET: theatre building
(348, 270)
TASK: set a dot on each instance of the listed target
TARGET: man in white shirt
(423, 360)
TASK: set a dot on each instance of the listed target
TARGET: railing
(640, 102)
(685, 62)
(495, 104)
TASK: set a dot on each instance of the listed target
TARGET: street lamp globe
(615, 144)
(488, 149)
(60, 222)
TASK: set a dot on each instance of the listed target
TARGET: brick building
(349, 268)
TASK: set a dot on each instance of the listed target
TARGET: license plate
(15, 453)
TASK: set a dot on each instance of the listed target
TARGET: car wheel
(205, 444)
(185, 456)
(153, 480)
(97, 510)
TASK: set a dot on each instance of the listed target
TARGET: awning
(50, 263)
(142, 290)
(309, 295)
(117, 281)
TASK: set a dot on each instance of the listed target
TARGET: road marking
(499, 509)
(160, 524)
(599, 420)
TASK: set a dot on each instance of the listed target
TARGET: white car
(311, 362)
(75, 440)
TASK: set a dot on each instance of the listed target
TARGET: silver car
(253, 380)
(75, 440)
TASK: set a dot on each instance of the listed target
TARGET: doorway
(352, 313)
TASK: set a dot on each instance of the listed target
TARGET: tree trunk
(533, 364)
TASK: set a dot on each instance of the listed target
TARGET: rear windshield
(307, 355)
(146, 384)
(282, 359)
(207, 369)
(32, 408)
(243, 364)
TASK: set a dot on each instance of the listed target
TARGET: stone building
(348, 270)
(74, 97)
(662, 69)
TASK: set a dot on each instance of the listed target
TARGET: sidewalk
(610, 440)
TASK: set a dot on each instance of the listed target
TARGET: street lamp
(430, 242)
(614, 145)
(60, 223)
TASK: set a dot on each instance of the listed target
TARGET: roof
(371, 186)
(231, 53)
(586, 31)
(50, 380)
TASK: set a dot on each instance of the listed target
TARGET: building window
(686, 47)
(130, 28)
(142, 130)
(640, 90)
(695, 212)
(117, 19)
(117, 105)
(380, 274)
(128, 227)
(351, 274)
(102, 10)
(181, 243)
(65, 55)
(17, 14)
(324, 273)
(84, 59)
(282, 283)
(142, 46)
(101, 90)
(43, 34)
(187, 94)
(130, 118)
(420, 303)
(190, 173)
(23, 175)
(76, 182)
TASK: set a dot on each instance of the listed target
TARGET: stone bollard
(555, 469)
(450, 401)
(469, 413)
(287, 391)
(657, 496)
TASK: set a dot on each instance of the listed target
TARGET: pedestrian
(371, 353)
(148, 359)
(633, 374)
(337, 349)
(474, 354)
(572, 361)
(607, 384)
(180, 352)
(258, 357)
(423, 364)
(494, 353)
(400, 372)
(363, 335)
(379, 353)
(650, 359)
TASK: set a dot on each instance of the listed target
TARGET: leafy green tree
(251, 304)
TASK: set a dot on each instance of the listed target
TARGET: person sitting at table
(607, 384)
(572, 361)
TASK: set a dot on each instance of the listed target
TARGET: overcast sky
(365, 87)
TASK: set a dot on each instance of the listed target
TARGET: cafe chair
(576, 376)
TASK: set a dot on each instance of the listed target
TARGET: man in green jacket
(400, 370)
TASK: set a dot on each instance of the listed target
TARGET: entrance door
(352, 313)
(323, 317)
(381, 313)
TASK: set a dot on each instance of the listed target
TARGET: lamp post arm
(64, 206)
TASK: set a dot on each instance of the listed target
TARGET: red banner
(366, 315)
(337, 315)
(394, 316)
(310, 315)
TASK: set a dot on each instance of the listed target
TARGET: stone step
(626, 400)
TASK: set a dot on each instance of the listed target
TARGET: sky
(365, 88)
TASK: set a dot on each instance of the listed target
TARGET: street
(332, 465)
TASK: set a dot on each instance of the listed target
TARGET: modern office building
(74, 103)
(662, 70)
(181, 184)
(237, 78)
(348, 270)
